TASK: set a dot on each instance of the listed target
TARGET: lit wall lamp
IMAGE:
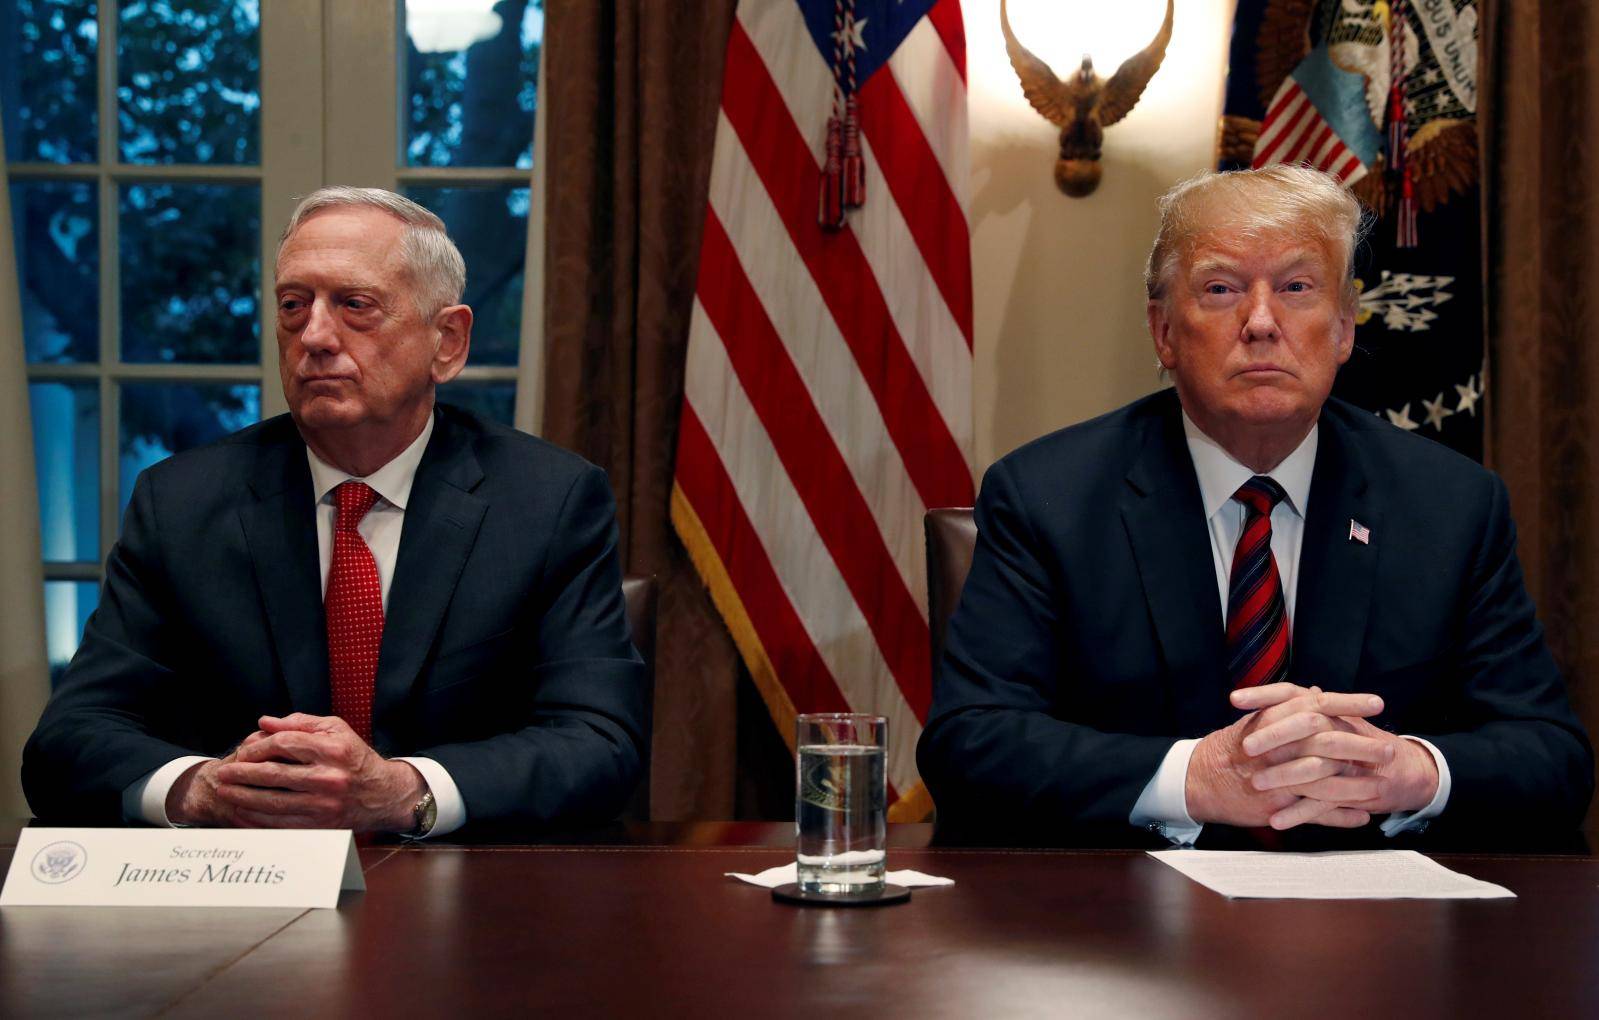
(1084, 104)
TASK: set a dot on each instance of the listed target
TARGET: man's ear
(1160, 333)
(454, 324)
(1346, 331)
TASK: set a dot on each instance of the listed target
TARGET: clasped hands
(1304, 755)
(299, 772)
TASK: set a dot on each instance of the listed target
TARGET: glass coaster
(792, 893)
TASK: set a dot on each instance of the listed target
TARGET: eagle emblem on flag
(1381, 94)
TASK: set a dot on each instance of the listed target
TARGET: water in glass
(840, 818)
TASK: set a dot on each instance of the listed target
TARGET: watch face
(426, 813)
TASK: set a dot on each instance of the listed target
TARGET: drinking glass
(840, 790)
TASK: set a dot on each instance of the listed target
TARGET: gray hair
(437, 270)
(1277, 199)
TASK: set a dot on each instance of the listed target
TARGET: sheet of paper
(1339, 875)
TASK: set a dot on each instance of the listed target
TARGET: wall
(1059, 300)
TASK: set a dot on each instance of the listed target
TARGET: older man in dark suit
(370, 613)
(1240, 603)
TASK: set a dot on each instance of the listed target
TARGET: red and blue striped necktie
(1257, 617)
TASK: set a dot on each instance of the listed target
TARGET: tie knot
(1260, 494)
(353, 499)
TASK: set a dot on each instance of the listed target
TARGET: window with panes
(155, 148)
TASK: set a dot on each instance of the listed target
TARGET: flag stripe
(784, 288)
(802, 77)
(1351, 169)
(1344, 162)
(1284, 110)
(814, 465)
(917, 181)
(832, 620)
(1274, 133)
(1304, 120)
(1297, 116)
(705, 483)
(1322, 158)
(933, 89)
(1337, 157)
(946, 20)
(1285, 95)
(935, 341)
(1308, 142)
(790, 176)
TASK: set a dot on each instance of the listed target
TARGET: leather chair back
(951, 539)
(638, 594)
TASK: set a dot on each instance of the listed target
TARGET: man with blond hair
(1240, 605)
(373, 612)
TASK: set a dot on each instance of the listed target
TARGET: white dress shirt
(1163, 804)
(146, 799)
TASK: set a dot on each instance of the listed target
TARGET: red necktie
(1257, 617)
(354, 604)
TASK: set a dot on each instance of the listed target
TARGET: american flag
(1318, 117)
(827, 397)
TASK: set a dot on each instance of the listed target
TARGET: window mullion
(360, 83)
(72, 571)
(293, 133)
(445, 176)
(110, 314)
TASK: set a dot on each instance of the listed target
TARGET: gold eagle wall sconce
(1083, 105)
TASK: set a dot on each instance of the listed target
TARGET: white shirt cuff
(146, 800)
(447, 802)
(1404, 821)
(1163, 806)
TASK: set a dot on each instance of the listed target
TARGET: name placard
(182, 868)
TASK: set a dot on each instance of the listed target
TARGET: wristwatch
(424, 815)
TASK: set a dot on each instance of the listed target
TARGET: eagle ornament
(1083, 104)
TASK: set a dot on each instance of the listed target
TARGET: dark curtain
(631, 95)
(1539, 98)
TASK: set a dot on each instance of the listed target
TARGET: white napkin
(771, 878)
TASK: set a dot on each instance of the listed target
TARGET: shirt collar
(1220, 475)
(392, 481)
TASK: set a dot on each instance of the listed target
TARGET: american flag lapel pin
(1358, 532)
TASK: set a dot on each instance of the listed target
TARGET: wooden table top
(642, 922)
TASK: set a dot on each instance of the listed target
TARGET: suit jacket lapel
(1336, 572)
(1165, 523)
(280, 532)
(442, 519)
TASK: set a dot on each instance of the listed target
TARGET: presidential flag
(1383, 94)
(827, 399)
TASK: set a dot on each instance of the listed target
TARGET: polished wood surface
(642, 922)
